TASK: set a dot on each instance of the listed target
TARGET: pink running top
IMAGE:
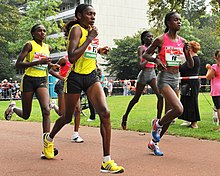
(148, 64)
(215, 81)
(64, 69)
(171, 52)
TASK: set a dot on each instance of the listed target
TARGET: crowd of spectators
(9, 89)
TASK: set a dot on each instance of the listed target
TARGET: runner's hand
(93, 33)
(45, 60)
(160, 65)
(208, 66)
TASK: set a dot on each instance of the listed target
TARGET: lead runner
(173, 50)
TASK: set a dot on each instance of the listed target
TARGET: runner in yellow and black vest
(34, 58)
(82, 47)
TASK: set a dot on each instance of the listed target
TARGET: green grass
(140, 117)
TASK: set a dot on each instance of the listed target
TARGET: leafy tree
(216, 11)
(15, 28)
(190, 9)
(209, 43)
(9, 18)
(42, 9)
(122, 60)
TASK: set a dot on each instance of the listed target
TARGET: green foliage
(193, 10)
(158, 9)
(209, 43)
(187, 31)
(189, 9)
(12, 2)
(9, 18)
(37, 13)
(122, 60)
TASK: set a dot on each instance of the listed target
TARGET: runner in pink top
(146, 76)
(213, 74)
(173, 50)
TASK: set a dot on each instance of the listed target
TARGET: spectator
(213, 74)
(190, 88)
(110, 87)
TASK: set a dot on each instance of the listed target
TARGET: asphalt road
(21, 149)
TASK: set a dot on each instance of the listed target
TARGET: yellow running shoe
(48, 148)
(111, 167)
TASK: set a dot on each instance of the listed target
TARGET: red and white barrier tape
(192, 77)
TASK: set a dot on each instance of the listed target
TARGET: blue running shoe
(156, 130)
(155, 148)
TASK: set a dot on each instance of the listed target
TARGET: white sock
(12, 108)
(106, 158)
(157, 123)
(49, 138)
(75, 133)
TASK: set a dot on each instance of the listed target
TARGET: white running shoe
(9, 111)
(185, 123)
(90, 120)
(77, 139)
(52, 104)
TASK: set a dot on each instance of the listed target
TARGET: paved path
(21, 148)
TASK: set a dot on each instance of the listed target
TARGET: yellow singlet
(87, 62)
(38, 52)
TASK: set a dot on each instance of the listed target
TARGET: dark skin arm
(186, 50)
(141, 64)
(157, 44)
(61, 61)
(74, 52)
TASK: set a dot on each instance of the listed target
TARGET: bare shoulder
(183, 40)
(27, 46)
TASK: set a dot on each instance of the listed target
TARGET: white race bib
(39, 56)
(174, 56)
(91, 50)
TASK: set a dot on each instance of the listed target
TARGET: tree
(189, 9)
(42, 9)
(192, 10)
(9, 19)
(158, 9)
(122, 60)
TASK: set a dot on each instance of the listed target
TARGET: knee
(46, 111)
(178, 110)
(105, 114)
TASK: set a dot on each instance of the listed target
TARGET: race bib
(91, 50)
(174, 56)
(39, 56)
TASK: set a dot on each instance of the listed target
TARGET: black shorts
(216, 101)
(59, 87)
(31, 84)
(75, 82)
